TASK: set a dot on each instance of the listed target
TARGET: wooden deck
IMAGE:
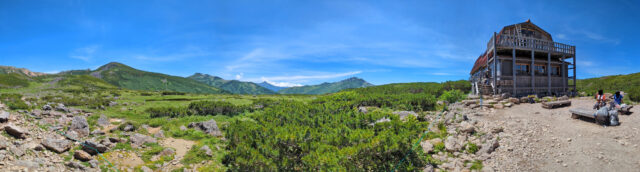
(528, 43)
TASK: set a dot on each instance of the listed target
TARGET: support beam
(574, 74)
(533, 72)
(513, 71)
(548, 73)
(564, 76)
(495, 65)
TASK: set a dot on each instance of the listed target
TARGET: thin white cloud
(239, 76)
(283, 84)
(306, 77)
(85, 53)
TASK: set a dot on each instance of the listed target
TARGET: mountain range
(123, 76)
(233, 86)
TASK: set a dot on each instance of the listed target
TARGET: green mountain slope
(327, 87)
(265, 84)
(628, 83)
(233, 86)
(21, 71)
(127, 77)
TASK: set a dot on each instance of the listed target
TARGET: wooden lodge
(522, 60)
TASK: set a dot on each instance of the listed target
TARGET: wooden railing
(512, 41)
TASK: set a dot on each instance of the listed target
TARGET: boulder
(508, 105)
(129, 127)
(138, 139)
(60, 107)
(93, 147)
(498, 106)
(47, 107)
(450, 144)
(206, 150)
(103, 120)
(210, 127)
(563, 98)
(183, 128)
(94, 163)
(404, 114)
(427, 147)
(76, 165)
(435, 141)
(81, 155)
(115, 140)
(56, 145)
(514, 100)
(467, 127)
(381, 120)
(112, 103)
(80, 125)
(15, 131)
(363, 109)
(97, 132)
(4, 116)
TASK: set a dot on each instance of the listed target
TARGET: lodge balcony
(508, 42)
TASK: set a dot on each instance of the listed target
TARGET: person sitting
(600, 100)
(618, 98)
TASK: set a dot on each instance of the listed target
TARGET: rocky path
(537, 139)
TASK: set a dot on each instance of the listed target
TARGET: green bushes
(216, 107)
(13, 101)
(199, 108)
(297, 136)
(13, 80)
(634, 94)
(452, 96)
(165, 93)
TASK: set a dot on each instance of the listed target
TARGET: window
(555, 71)
(522, 69)
(539, 69)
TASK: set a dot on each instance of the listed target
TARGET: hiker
(618, 98)
(600, 100)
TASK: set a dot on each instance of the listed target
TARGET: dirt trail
(181, 147)
(538, 139)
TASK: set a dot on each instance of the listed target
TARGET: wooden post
(533, 72)
(574, 72)
(548, 73)
(495, 65)
(564, 76)
(513, 70)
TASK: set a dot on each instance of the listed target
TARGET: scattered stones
(498, 106)
(75, 165)
(60, 107)
(363, 109)
(97, 132)
(129, 127)
(15, 131)
(46, 107)
(427, 147)
(57, 145)
(80, 125)
(146, 169)
(82, 155)
(210, 127)
(112, 103)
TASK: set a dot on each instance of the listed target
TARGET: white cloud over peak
(85, 53)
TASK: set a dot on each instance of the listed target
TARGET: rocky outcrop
(15, 131)
(82, 155)
(210, 127)
(103, 120)
(138, 139)
(4, 116)
(93, 147)
(80, 125)
(404, 114)
(57, 145)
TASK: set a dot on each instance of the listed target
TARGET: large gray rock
(15, 131)
(467, 127)
(46, 107)
(489, 147)
(76, 165)
(210, 127)
(81, 155)
(138, 139)
(60, 107)
(146, 169)
(80, 125)
(56, 145)
(103, 120)
(93, 147)
(159, 134)
(427, 147)
(4, 116)
(451, 144)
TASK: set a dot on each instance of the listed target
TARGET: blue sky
(306, 42)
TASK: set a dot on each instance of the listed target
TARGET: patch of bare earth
(108, 128)
(538, 139)
(124, 159)
(181, 147)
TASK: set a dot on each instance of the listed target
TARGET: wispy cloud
(184, 53)
(307, 77)
(85, 53)
(283, 84)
